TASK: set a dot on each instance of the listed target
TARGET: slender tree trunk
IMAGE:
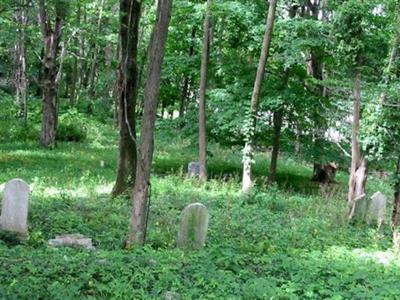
(319, 127)
(297, 147)
(186, 81)
(93, 68)
(248, 149)
(202, 95)
(396, 209)
(51, 39)
(396, 198)
(128, 89)
(359, 170)
(184, 96)
(74, 76)
(278, 118)
(140, 194)
(83, 78)
(21, 79)
(117, 85)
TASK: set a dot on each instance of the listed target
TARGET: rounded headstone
(193, 226)
(14, 209)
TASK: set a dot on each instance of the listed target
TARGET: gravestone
(14, 208)
(172, 296)
(72, 240)
(193, 169)
(377, 209)
(360, 209)
(193, 227)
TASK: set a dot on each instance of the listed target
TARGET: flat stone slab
(72, 240)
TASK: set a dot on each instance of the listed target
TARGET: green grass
(289, 241)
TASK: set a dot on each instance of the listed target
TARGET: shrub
(72, 127)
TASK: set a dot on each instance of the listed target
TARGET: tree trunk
(396, 209)
(278, 118)
(359, 169)
(248, 149)
(93, 68)
(202, 95)
(127, 77)
(51, 39)
(74, 78)
(21, 79)
(140, 194)
(396, 199)
(83, 78)
(297, 147)
(186, 81)
(319, 127)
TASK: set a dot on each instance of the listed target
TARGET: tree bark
(316, 70)
(127, 77)
(248, 149)
(140, 194)
(74, 78)
(319, 128)
(396, 198)
(93, 68)
(359, 168)
(202, 95)
(51, 39)
(278, 119)
(21, 79)
(83, 78)
(186, 81)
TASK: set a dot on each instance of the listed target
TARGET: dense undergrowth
(289, 241)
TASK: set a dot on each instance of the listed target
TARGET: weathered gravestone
(14, 208)
(193, 227)
(360, 209)
(377, 208)
(172, 296)
(193, 169)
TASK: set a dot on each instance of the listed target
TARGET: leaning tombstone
(377, 209)
(360, 209)
(14, 208)
(193, 227)
(193, 169)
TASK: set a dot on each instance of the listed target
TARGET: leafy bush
(72, 127)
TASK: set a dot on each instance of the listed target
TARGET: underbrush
(288, 241)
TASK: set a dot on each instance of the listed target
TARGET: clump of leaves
(72, 127)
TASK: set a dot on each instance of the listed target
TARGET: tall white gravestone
(193, 227)
(14, 208)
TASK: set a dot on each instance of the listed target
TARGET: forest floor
(289, 241)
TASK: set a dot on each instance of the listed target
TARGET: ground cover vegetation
(289, 109)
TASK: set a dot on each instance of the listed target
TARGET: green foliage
(277, 242)
(72, 127)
